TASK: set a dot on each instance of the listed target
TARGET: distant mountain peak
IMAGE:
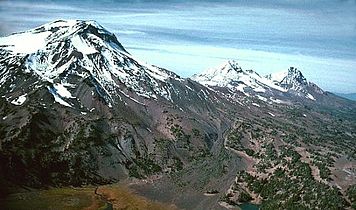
(295, 82)
(222, 75)
(229, 67)
(292, 79)
(231, 75)
(295, 75)
(232, 65)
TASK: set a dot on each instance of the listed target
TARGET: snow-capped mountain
(230, 75)
(72, 95)
(291, 79)
(294, 81)
(66, 53)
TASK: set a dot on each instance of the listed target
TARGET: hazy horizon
(317, 37)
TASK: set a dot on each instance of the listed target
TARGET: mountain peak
(221, 76)
(67, 53)
(294, 82)
(69, 23)
(296, 75)
(233, 65)
(290, 79)
(80, 33)
(73, 27)
(68, 27)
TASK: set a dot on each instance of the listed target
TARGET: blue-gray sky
(317, 36)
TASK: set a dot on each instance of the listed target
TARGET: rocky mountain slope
(81, 96)
(77, 108)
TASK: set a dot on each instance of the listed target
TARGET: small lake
(249, 206)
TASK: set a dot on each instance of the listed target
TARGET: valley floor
(104, 197)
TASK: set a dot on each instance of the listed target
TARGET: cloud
(3, 30)
(189, 36)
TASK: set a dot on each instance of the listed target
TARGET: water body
(249, 206)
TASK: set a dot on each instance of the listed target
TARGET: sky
(316, 36)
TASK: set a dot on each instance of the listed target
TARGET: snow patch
(256, 104)
(188, 87)
(57, 98)
(20, 100)
(262, 98)
(278, 76)
(259, 90)
(62, 91)
(278, 101)
(82, 45)
(25, 43)
(271, 114)
(129, 97)
(310, 96)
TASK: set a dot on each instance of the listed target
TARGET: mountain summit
(294, 81)
(86, 36)
(291, 79)
(223, 76)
